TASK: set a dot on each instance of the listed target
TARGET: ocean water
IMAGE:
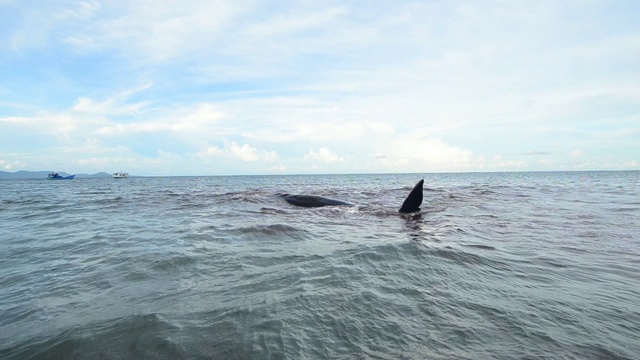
(496, 266)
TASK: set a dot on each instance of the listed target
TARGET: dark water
(498, 266)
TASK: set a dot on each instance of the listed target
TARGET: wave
(173, 261)
(133, 337)
(273, 231)
(223, 268)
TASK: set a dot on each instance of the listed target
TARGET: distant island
(5, 175)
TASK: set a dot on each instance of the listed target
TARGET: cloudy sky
(285, 87)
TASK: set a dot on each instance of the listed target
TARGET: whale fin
(414, 200)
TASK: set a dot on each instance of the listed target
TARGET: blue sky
(253, 87)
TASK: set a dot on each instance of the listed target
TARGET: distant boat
(56, 176)
(120, 175)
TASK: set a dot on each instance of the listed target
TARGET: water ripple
(497, 266)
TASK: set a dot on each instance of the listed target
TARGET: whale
(411, 203)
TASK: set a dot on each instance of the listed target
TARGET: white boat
(120, 175)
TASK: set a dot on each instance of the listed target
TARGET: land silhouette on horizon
(24, 174)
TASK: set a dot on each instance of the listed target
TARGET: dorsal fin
(414, 200)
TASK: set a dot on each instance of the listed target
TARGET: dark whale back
(414, 200)
(312, 201)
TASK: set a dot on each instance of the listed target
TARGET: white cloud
(295, 23)
(322, 131)
(212, 151)
(244, 152)
(12, 165)
(115, 105)
(153, 31)
(278, 168)
(87, 116)
(85, 10)
(500, 162)
(414, 153)
(546, 162)
(323, 155)
(198, 120)
(64, 125)
(626, 165)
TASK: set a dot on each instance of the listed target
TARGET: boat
(120, 175)
(56, 176)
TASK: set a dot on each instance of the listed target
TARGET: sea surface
(542, 265)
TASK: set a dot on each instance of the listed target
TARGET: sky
(240, 87)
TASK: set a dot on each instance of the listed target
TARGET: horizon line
(343, 174)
